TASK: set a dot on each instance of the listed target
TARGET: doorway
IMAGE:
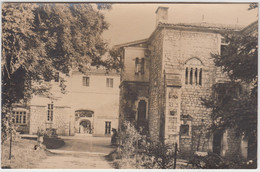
(141, 116)
(217, 142)
(85, 127)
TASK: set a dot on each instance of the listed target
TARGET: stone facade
(181, 73)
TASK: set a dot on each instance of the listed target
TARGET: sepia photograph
(141, 85)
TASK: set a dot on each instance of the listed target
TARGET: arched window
(193, 71)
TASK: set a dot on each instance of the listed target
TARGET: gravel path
(79, 152)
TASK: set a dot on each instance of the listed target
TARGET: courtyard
(78, 152)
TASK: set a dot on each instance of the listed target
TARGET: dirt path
(78, 153)
(67, 160)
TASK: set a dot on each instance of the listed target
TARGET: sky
(130, 22)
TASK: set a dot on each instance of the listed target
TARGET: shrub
(138, 151)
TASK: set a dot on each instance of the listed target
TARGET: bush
(138, 151)
(210, 161)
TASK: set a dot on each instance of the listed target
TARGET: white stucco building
(90, 105)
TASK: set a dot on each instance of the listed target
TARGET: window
(223, 45)
(200, 77)
(193, 76)
(85, 81)
(110, 82)
(19, 117)
(108, 127)
(139, 65)
(184, 130)
(56, 77)
(50, 112)
(186, 75)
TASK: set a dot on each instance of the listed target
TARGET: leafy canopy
(234, 103)
(41, 39)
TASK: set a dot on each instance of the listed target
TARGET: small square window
(85, 81)
(184, 130)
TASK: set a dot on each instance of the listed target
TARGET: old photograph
(129, 85)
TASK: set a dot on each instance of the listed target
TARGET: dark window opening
(50, 112)
(141, 114)
(196, 76)
(19, 117)
(139, 65)
(200, 77)
(85, 81)
(108, 127)
(186, 76)
(217, 139)
(191, 73)
(184, 130)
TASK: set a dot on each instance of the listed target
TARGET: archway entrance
(85, 127)
(84, 122)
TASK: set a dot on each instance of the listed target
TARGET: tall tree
(234, 103)
(41, 39)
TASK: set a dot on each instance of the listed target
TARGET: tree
(234, 103)
(41, 39)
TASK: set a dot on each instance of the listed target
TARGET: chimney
(161, 15)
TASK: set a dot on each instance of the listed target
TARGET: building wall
(156, 86)
(191, 49)
(102, 100)
(97, 97)
(128, 72)
(134, 87)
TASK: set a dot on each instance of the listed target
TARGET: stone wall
(38, 119)
(61, 120)
(193, 50)
(156, 85)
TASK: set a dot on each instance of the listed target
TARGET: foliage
(24, 155)
(239, 57)
(200, 136)
(253, 6)
(214, 161)
(39, 40)
(138, 151)
(210, 161)
(234, 103)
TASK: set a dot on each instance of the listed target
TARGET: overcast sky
(130, 22)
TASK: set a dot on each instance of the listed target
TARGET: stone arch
(194, 61)
(141, 116)
(84, 121)
(193, 71)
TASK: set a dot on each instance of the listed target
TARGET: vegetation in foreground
(136, 151)
(23, 156)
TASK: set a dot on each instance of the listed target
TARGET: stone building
(89, 105)
(164, 78)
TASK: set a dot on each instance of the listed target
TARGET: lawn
(23, 154)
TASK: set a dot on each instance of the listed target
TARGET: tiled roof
(204, 25)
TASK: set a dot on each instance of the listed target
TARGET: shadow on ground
(50, 142)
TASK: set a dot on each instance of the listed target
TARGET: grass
(23, 154)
